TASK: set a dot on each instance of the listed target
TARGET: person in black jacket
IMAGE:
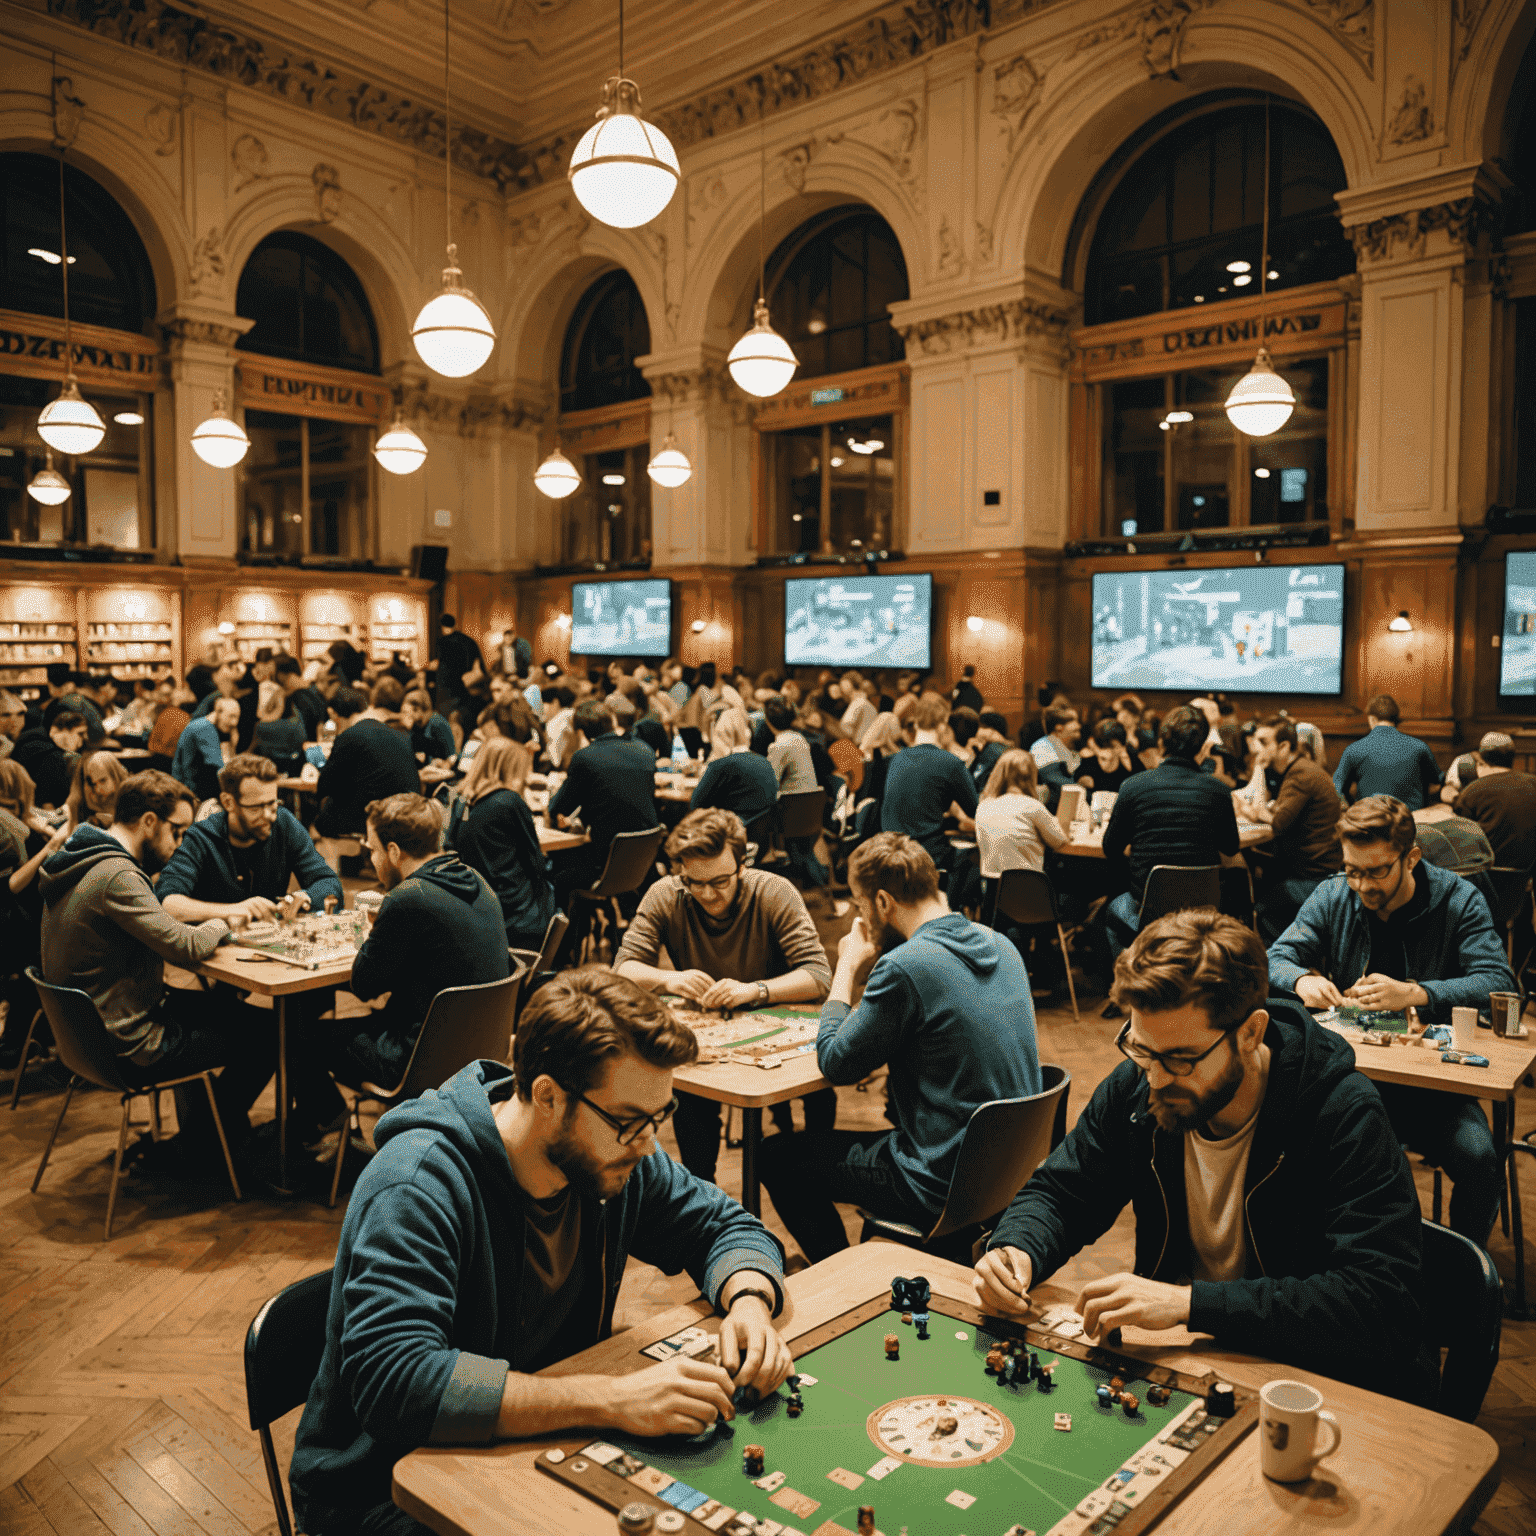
(48, 753)
(1274, 1208)
(369, 761)
(307, 702)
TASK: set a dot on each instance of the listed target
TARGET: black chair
(800, 815)
(463, 1025)
(1005, 1141)
(1464, 1312)
(759, 838)
(537, 961)
(283, 1349)
(26, 1051)
(1027, 897)
(630, 856)
(1177, 888)
(1510, 887)
(85, 1047)
(1237, 894)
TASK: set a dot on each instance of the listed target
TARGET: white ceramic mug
(1464, 1028)
(1289, 1415)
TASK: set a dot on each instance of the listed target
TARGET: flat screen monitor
(1517, 649)
(863, 621)
(621, 618)
(1244, 629)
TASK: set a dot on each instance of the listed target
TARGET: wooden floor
(122, 1405)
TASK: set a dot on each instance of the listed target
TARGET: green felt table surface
(1039, 1478)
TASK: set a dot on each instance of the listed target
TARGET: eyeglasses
(630, 1130)
(1174, 1066)
(719, 883)
(258, 805)
(1380, 872)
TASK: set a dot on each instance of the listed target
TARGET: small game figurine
(866, 1520)
(1130, 1402)
(1220, 1401)
(1104, 1395)
(793, 1383)
(1158, 1396)
(795, 1406)
(746, 1398)
(1063, 1422)
(1034, 1366)
(1046, 1380)
(330, 907)
(909, 1295)
(995, 1359)
(752, 1460)
(892, 1346)
(906, 1317)
(1116, 1383)
(922, 1324)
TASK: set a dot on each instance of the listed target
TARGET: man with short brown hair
(1273, 1206)
(1502, 802)
(926, 782)
(947, 1006)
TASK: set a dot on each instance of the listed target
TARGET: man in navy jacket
(1393, 933)
(487, 1240)
(1274, 1208)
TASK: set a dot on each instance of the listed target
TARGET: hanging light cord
(1264, 240)
(69, 350)
(762, 192)
(621, 39)
(447, 143)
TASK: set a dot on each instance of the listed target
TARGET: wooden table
(1087, 844)
(1401, 1471)
(1413, 1066)
(552, 839)
(676, 787)
(752, 1090)
(252, 971)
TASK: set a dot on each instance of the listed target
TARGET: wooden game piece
(1130, 1402)
(1116, 1383)
(746, 1398)
(1158, 1396)
(1104, 1394)
(752, 1460)
(947, 1425)
(637, 1519)
(795, 1407)
(1063, 1421)
(892, 1347)
(866, 1520)
(995, 1359)
(1220, 1401)
(669, 1522)
(922, 1325)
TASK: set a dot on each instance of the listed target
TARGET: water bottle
(325, 737)
(679, 754)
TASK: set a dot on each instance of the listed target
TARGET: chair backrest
(1509, 886)
(1177, 888)
(283, 1347)
(630, 856)
(801, 814)
(1464, 1312)
(848, 761)
(1237, 893)
(463, 1025)
(760, 833)
(1005, 1141)
(554, 937)
(84, 1045)
(1025, 896)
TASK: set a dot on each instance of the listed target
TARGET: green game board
(1039, 1478)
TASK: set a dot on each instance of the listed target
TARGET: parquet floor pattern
(122, 1403)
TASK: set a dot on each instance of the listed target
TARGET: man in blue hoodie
(487, 1241)
(1274, 1209)
(1394, 933)
(948, 1006)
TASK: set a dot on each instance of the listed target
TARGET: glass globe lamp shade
(762, 362)
(556, 476)
(48, 486)
(1261, 401)
(220, 440)
(624, 169)
(399, 450)
(670, 468)
(70, 424)
(453, 334)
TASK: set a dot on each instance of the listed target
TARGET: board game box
(933, 1437)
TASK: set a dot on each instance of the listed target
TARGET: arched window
(110, 280)
(1189, 210)
(307, 304)
(607, 333)
(830, 285)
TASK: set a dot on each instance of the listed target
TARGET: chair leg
(156, 1130)
(275, 1481)
(117, 1166)
(341, 1147)
(1435, 1206)
(218, 1121)
(21, 1066)
(63, 1109)
(1066, 960)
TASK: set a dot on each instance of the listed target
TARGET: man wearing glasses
(106, 933)
(738, 938)
(1274, 1209)
(487, 1240)
(1395, 933)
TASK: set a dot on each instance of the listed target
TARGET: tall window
(607, 333)
(1184, 223)
(307, 304)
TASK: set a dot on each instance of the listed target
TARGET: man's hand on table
(255, 909)
(677, 1397)
(1003, 1288)
(1126, 1299)
(691, 984)
(751, 1350)
(1318, 992)
(1380, 992)
(292, 904)
(729, 994)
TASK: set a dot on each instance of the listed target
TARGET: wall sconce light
(562, 621)
(697, 626)
(975, 623)
(1402, 624)
(226, 628)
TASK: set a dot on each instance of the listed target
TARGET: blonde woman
(93, 790)
(492, 830)
(1013, 827)
(736, 778)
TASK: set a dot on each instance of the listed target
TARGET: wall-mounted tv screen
(621, 618)
(1517, 654)
(1248, 629)
(865, 621)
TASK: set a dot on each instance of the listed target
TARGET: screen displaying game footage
(1517, 664)
(621, 618)
(868, 621)
(1259, 629)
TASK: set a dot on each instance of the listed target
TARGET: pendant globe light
(557, 477)
(69, 424)
(48, 486)
(400, 450)
(762, 362)
(670, 468)
(220, 440)
(1261, 401)
(624, 169)
(453, 335)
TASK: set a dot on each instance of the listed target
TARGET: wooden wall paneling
(1417, 668)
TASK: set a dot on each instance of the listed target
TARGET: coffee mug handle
(1324, 1417)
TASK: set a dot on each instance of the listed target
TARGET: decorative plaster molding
(707, 193)
(1158, 30)
(1015, 89)
(989, 324)
(162, 125)
(983, 243)
(327, 181)
(207, 262)
(1414, 119)
(207, 332)
(1464, 220)
(250, 157)
(68, 112)
(796, 162)
(1466, 14)
(951, 262)
(1354, 23)
(422, 406)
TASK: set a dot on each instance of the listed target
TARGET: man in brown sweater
(1304, 816)
(738, 938)
(1503, 802)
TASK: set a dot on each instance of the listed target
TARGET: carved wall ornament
(1015, 89)
(1467, 14)
(983, 242)
(1353, 22)
(68, 112)
(705, 194)
(526, 231)
(1158, 30)
(327, 180)
(951, 251)
(209, 332)
(797, 161)
(161, 125)
(250, 157)
(1413, 120)
(207, 262)
(989, 324)
(1464, 220)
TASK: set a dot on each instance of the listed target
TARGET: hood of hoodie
(461, 1112)
(970, 943)
(451, 875)
(87, 848)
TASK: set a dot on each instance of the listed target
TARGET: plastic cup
(1464, 1028)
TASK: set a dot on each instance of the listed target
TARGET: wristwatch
(766, 1297)
(762, 991)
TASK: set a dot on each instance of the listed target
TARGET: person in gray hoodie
(105, 932)
(948, 1007)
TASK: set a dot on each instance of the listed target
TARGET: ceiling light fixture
(51, 257)
(48, 486)
(220, 440)
(129, 419)
(762, 362)
(1261, 401)
(1261, 474)
(557, 477)
(452, 335)
(69, 424)
(670, 466)
(400, 450)
(975, 623)
(613, 479)
(624, 170)
(1402, 624)
(1242, 280)
(1239, 266)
